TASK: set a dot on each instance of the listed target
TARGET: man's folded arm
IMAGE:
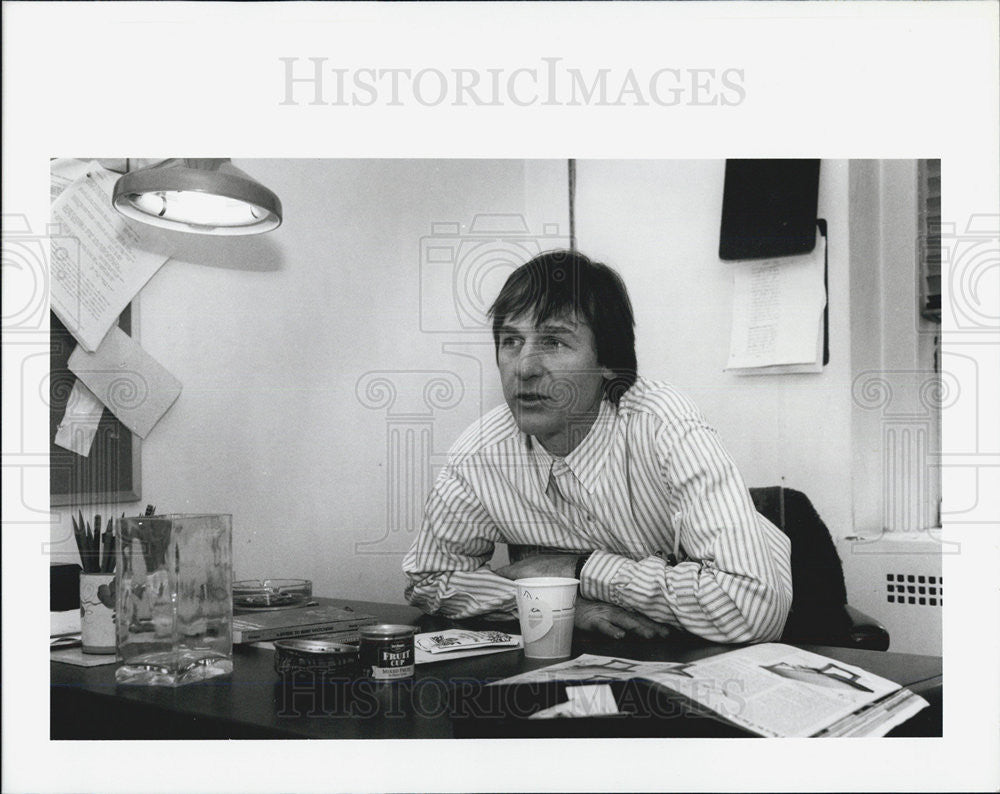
(735, 583)
(447, 566)
(695, 595)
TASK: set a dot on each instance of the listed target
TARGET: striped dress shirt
(649, 480)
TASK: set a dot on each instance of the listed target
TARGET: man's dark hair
(561, 283)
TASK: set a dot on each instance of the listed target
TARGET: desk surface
(253, 703)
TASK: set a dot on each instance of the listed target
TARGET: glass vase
(174, 602)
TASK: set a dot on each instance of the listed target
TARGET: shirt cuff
(604, 576)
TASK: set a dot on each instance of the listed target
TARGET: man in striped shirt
(600, 475)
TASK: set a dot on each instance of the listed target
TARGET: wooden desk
(252, 703)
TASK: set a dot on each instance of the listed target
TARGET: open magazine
(770, 689)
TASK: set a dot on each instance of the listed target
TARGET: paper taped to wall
(79, 424)
(133, 385)
(63, 172)
(778, 313)
(99, 260)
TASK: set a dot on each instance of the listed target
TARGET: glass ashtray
(271, 593)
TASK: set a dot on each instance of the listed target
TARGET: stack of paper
(778, 314)
(100, 261)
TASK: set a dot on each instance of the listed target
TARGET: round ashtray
(315, 655)
(271, 593)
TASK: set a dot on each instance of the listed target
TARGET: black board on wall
(110, 473)
(769, 208)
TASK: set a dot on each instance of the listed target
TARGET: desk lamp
(202, 196)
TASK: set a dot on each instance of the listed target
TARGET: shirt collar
(587, 460)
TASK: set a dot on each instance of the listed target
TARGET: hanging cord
(781, 504)
(572, 204)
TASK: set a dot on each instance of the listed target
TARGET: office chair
(820, 613)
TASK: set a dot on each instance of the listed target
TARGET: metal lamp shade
(203, 196)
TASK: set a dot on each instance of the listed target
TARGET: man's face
(551, 379)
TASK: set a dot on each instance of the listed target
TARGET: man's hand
(616, 621)
(540, 565)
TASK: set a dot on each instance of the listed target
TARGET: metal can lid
(381, 631)
(308, 646)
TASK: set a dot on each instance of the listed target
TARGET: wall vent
(896, 578)
(917, 589)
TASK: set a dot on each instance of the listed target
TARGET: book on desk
(302, 621)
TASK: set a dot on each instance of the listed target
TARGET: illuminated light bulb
(200, 196)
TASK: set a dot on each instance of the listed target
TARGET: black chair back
(819, 596)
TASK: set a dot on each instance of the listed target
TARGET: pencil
(108, 561)
(94, 546)
(97, 543)
(81, 544)
(88, 543)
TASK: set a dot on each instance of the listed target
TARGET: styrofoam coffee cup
(546, 607)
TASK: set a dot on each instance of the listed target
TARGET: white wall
(327, 366)
(272, 335)
(861, 437)
(658, 224)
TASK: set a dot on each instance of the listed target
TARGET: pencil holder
(174, 598)
(97, 620)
